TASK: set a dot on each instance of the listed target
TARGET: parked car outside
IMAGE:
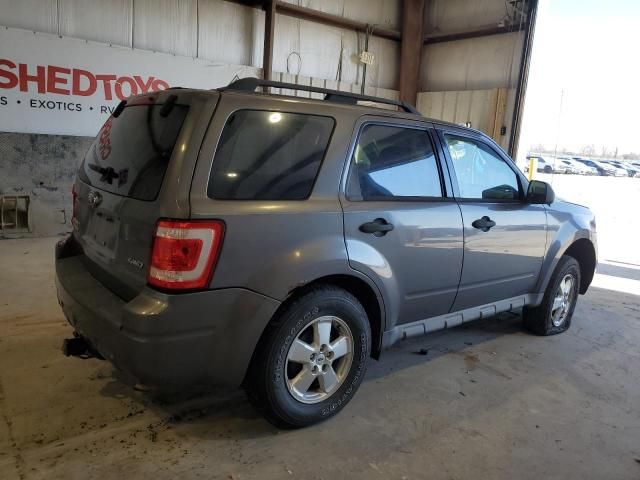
(578, 167)
(632, 170)
(569, 166)
(275, 242)
(560, 166)
(542, 164)
(618, 170)
(602, 168)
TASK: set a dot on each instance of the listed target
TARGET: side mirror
(540, 193)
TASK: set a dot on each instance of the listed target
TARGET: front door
(504, 237)
(402, 227)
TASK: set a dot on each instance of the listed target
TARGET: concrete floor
(487, 401)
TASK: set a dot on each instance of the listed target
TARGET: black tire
(548, 169)
(269, 373)
(540, 319)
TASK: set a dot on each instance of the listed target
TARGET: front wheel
(554, 314)
(312, 358)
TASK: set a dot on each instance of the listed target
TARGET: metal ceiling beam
(295, 11)
(304, 13)
(476, 32)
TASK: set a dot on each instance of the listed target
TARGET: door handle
(378, 227)
(484, 223)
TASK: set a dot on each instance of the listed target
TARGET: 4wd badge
(135, 262)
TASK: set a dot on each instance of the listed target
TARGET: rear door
(138, 169)
(402, 227)
(504, 237)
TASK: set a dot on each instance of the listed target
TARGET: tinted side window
(269, 156)
(390, 162)
(480, 172)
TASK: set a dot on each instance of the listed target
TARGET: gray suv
(279, 242)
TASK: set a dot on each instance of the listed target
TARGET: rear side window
(393, 162)
(266, 155)
(130, 155)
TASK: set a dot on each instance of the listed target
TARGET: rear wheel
(311, 359)
(554, 314)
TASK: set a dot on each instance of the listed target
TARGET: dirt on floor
(485, 400)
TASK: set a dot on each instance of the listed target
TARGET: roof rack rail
(249, 84)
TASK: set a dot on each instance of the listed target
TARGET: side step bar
(448, 320)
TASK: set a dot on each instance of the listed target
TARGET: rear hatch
(138, 170)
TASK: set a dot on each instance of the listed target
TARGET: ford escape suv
(278, 242)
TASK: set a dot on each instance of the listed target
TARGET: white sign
(367, 57)
(66, 86)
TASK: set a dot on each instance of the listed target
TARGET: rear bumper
(164, 341)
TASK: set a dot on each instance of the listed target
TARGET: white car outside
(579, 167)
(618, 171)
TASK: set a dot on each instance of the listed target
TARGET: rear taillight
(74, 210)
(184, 253)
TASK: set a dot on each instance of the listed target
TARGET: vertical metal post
(411, 49)
(269, 30)
(521, 88)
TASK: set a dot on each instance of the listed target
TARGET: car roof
(323, 105)
(320, 105)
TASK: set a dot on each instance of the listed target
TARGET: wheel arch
(584, 252)
(366, 294)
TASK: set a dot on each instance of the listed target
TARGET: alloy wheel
(563, 300)
(319, 359)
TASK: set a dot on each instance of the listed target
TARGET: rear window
(266, 155)
(130, 155)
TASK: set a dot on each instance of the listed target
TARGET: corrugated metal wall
(37, 15)
(475, 63)
(166, 26)
(230, 33)
(222, 31)
(460, 80)
(453, 15)
(107, 22)
(485, 110)
(323, 48)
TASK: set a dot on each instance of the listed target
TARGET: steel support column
(411, 49)
(523, 76)
(269, 31)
